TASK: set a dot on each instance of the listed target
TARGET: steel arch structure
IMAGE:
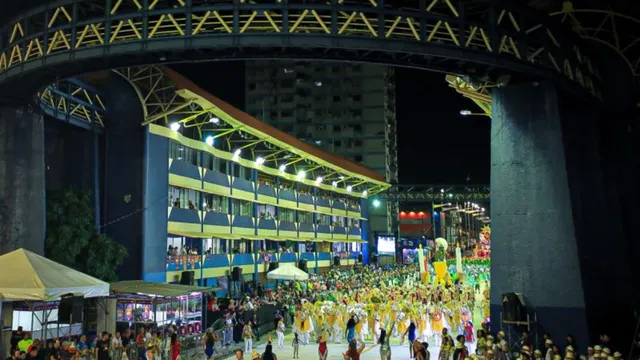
(436, 193)
(616, 31)
(480, 38)
(74, 101)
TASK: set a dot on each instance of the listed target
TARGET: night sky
(436, 145)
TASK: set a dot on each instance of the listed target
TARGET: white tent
(31, 277)
(287, 271)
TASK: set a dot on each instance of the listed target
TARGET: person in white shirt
(280, 332)
(116, 347)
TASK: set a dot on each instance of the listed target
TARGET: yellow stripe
(284, 234)
(267, 232)
(239, 231)
(214, 189)
(217, 229)
(185, 182)
(306, 207)
(243, 195)
(176, 227)
(323, 210)
(307, 235)
(339, 237)
(268, 200)
(288, 204)
(339, 212)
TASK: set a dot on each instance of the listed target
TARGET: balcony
(267, 194)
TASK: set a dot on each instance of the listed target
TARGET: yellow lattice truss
(479, 93)
(76, 109)
(130, 21)
(617, 31)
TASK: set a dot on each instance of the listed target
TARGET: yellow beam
(166, 113)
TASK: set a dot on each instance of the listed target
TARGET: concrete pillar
(534, 250)
(22, 180)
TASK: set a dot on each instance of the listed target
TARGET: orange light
(403, 214)
(421, 214)
(412, 214)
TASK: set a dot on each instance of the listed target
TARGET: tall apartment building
(345, 108)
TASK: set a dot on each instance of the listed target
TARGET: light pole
(469, 113)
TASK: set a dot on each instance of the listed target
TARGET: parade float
(483, 249)
(442, 276)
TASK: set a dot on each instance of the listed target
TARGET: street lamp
(469, 113)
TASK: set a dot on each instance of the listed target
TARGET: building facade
(226, 190)
(345, 108)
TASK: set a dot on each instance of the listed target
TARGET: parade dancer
(296, 346)
(280, 332)
(323, 351)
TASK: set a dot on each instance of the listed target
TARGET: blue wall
(156, 188)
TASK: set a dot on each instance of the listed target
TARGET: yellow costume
(437, 321)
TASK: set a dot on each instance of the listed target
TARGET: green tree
(71, 238)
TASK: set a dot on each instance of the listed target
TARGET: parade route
(309, 352)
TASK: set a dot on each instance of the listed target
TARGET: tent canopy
(155, 289)
(31, 277)
(287, 271)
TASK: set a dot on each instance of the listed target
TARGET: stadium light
(260, 160)
(175, 126)
(376, 203)
(209, 140)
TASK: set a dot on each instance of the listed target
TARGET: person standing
(323, 351)
(354, 351)
(116, 347)
(207, 344)
(461, 352)
(296, 345)
(101, 351)
(385, 348)
(247, 335)
(280, 333)
(351, 329)
(411, 331)
(175, 347)
(268, 353)
(256, 326)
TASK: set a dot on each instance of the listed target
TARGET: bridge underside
(247, 47)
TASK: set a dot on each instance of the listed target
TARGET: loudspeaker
(187, 278)
(273, 266)
(70, 308)
(336, 260)
(302, 265)
(360, 258)
(236, 275)
(513, 307)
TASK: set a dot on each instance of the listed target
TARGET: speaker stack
(236, 274)
(360, 258)
(70, 310)
(273, 266)
(514, 309)
(336, 260)
(302, 265)
(187, 278)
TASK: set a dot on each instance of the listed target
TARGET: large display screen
(386, 245)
